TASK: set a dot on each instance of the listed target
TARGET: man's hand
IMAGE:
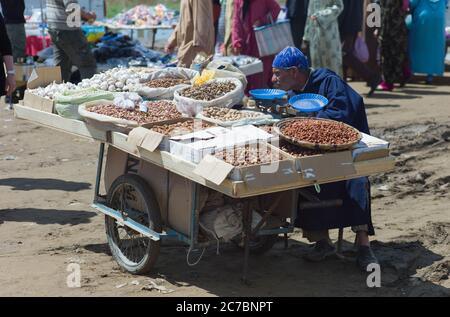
(237, 50)
(169, 48)
(10, 85)
(313, 18)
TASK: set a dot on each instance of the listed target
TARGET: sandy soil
(46, 187)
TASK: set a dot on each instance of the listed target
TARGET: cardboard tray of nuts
(226, 117)
(164, 131)
(318, 134)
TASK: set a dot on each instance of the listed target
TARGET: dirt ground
(46, 223)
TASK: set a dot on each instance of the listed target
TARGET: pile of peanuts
(166, 82)
(157, 111)
(208, 91)
(225, 114)
(181, 128)
(248, 155)
(297, 151)
(320, 132)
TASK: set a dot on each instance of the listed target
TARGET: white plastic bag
(164, 93)
(226, 70)
(192, 107)
(225, 222)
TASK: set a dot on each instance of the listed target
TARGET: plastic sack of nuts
(220, 92)
(162, 83)
(107, 116)
(230, 117)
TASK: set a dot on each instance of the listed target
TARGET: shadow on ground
(393, 95)
(46, 216)
(372, 106)
(26, 184)
(424, 92)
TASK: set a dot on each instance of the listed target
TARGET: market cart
(139, 214)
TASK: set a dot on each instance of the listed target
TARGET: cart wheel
(258, 245)
(132, 250)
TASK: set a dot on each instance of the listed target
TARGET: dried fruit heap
(225, 114)
(249, 155)
(209, 91)
(166, 82)
(181, 128)
(320, 132)
(157, 111)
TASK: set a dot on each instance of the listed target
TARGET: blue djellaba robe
(347, 106)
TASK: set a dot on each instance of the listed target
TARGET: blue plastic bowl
(267, 94)
(308, 102)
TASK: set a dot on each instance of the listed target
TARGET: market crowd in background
(332, 33)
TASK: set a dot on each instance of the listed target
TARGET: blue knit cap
(290, 57)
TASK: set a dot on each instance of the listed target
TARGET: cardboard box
(322, 166)
(326, 166)
(23, 73)
(147, 140)
(37, 102)
(160, 141)
(195, 147)
(261, 175)
(41, 77)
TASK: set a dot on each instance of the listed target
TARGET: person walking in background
(225, 24)
(216, 15)
(350, 28)
(427, 37)
(247, 15)
(70, 46)
(370, 34)
(15, 26)
(297, 13)
(8, 82)
(393, 43)
(194, 33)
(322, 34)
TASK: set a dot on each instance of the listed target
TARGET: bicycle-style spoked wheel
(131, 195)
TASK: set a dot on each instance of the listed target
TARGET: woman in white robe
(322, 34)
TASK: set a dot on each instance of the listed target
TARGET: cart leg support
(99, 171)
(247, 219)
